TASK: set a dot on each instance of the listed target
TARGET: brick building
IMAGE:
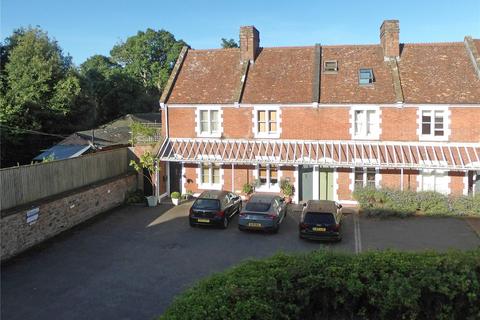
(327, 118)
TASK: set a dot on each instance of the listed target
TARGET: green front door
(325, 184)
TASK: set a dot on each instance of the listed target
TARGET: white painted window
(268, 178)
(209, 122)
(210, 176)
(266, 122)
(433, 123)
(434, 180)
(365, 177)
(365, 123)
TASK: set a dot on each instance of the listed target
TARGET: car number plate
(256, 225)
(204, 220)
(319, 229)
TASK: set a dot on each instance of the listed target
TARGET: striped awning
(331, 153)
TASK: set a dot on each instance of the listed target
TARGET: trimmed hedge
(389, 202)
(328, 285)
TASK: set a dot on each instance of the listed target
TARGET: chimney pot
(249, 43)
(390, 38)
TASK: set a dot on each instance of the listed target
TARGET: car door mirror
(304, 204)
(339, 206)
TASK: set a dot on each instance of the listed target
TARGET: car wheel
(192, 224)
(225, 223)
(275, 230)
(241, 229)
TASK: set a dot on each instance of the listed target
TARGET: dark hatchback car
(214, 208)
(262, 212)
(321, 220)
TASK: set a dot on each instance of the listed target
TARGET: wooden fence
(24, 184)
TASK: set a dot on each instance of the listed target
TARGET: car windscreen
(257, 206)
(319, 218)
(206, 204)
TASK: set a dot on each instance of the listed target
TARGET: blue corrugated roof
(61, 152)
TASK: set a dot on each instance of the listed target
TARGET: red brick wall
(237, 123)
(456, 183)
(331, 123)
(465, 124)
(343, 183)
(392, 179)
(182, 122)
(399, 124)
(315, 123)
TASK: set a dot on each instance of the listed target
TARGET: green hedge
(389, 202)
(328, 285)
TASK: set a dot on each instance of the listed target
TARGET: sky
(87, 27)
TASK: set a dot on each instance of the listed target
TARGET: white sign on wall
(32, 215)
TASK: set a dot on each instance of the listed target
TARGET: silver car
(263, 212)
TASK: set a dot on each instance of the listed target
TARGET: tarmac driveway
(129, 263)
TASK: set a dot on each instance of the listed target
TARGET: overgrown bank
(323, 285)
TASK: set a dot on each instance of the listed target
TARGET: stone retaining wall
(60, 213)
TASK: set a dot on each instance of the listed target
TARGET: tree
(39, 89)
(40, 83)
(148, 57)
(112, 92)
(230, 43)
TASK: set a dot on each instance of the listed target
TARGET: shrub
(286, 187)
(135, 197)
(389, 202)
(326, 285)
(247, 188)
(175, 195)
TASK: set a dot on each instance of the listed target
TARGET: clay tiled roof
(429, 73)
(208, 76)
(477, 44)
(438, 73)
(343, 87)
(281, 75)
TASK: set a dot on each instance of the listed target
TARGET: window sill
(210, 135)
(265, 188)
(208, 186)
(372, 137)
(267, 135)
(432, 138)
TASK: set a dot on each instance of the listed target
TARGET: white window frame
(365, 171)
(436, 174)
(376, 131)
(267, 187)
(446, 123)
(210, 185)
(255, 126)
(209, 133)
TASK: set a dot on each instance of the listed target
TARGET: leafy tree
(39, 82)
(229, 43)
(148, 57)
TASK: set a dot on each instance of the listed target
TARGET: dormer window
(330, 66)
(365, 76)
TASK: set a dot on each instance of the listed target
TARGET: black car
(321, 220)
(214, 208)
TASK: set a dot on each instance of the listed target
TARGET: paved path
(129, 263)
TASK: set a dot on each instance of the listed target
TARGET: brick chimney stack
(389, 38)
(249, 43)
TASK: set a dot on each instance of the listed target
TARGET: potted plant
(287, 190)
(146, 162)
(247, 189)
(175, 197)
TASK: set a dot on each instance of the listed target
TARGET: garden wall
(25, 226)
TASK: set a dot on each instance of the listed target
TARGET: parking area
(131, 262)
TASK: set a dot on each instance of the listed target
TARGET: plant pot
(152, 201)
(175, 201)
